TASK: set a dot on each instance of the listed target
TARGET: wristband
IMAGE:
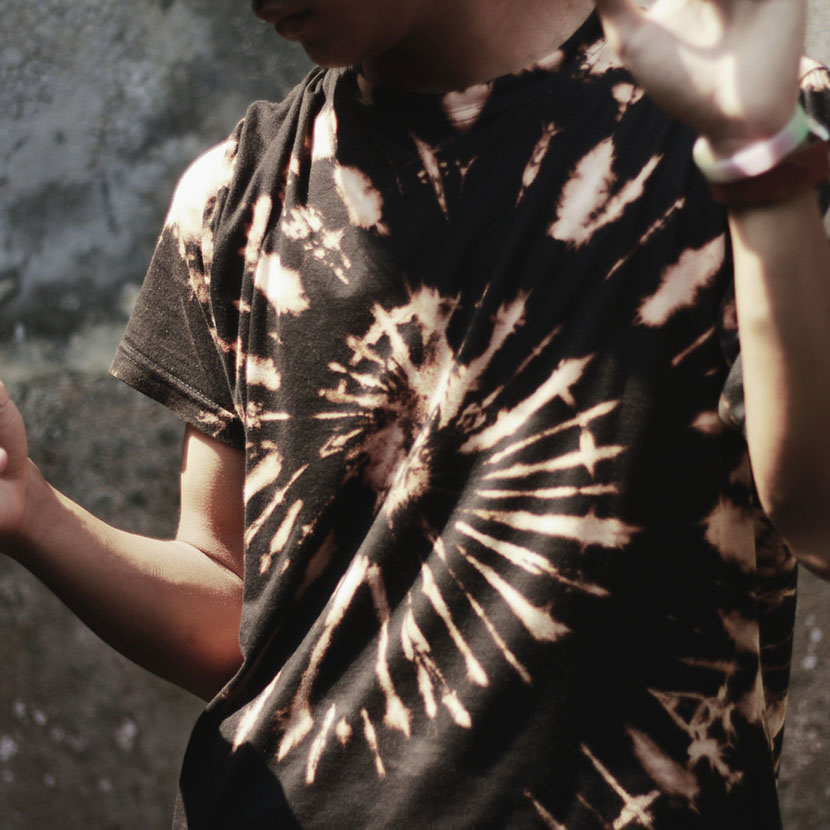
(802, 170)
(759, 156)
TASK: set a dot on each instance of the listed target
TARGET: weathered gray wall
(102, 103)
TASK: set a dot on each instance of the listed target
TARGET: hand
(726, 68)
(15, 467)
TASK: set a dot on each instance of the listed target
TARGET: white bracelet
(758, 157)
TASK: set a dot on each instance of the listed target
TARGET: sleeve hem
(142, 374)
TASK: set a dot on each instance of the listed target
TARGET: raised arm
(172, 606)
(729, 69)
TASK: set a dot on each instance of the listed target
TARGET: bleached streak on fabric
(475, 672)
(581, 420)
(626, 95)
(588, 530)
(463, 109)
(502, 646)
(588, 202)
(588, 456)
(527, 559)
(281, 536)
(397, 715)
(682, 281)
(634, 807)
(651, 231)
(265, 471)
(550, 822)
(457, 711)
(672, 778)
(417, 650)
(318, 745)
(730, 530)
(567, 374)
(742, 631)
(599, 58)
(260, 217)
(363, 201)
(679, 358)
(553, 493)
(521, 557)
(538, 622)
(317, 564)
(540, 151)
(205, 177)
(338, 443)
(753, 706)
(301, 721)
(411, 477)
(463, 379)
(282, 287)
(324, 141)
(262, 371)
(305, 224)
(432, 168)
(372, 740)
(539, 349)
(258, 482)
(343, 730)
(250, 717)
(710, 714)
(708, 423)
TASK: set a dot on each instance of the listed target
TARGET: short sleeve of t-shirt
(182, 345)
(172, 350)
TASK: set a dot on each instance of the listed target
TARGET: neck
(466, 42)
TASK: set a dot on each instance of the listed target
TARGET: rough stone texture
(102, 104)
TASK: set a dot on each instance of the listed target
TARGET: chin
(330, 56)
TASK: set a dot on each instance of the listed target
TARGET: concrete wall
(102, 104)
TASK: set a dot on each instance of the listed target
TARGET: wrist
(36, 494)
(724, 162)
(794, 160)
(738, 135)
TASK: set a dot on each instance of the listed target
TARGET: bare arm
(729, 69)
(782, 283)
(172, 606)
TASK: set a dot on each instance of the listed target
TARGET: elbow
(208, 668)
(209, 652)
(214, 677)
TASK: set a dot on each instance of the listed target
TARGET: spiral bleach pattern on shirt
(504, 562)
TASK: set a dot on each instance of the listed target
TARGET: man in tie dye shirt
(469, 535)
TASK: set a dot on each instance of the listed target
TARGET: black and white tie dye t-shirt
(503, 563)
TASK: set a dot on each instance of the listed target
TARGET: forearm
(782, 281)
(163, 603)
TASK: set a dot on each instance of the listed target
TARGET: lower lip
(292, 26)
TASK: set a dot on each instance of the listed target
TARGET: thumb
(13, 443)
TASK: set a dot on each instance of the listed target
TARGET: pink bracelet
(758, 157)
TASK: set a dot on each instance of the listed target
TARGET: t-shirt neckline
(459, 105)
